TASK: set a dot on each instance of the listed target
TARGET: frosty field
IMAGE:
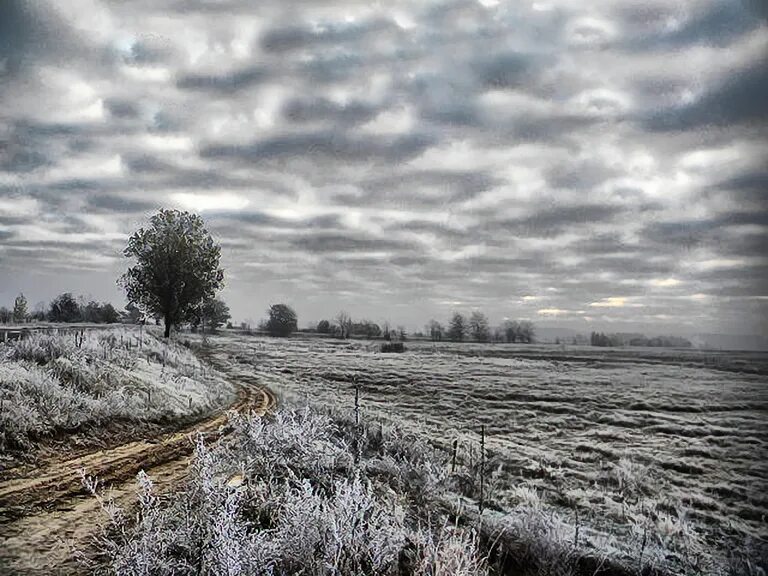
(634, 446)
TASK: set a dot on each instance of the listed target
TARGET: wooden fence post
(482, 469)
(357, 405)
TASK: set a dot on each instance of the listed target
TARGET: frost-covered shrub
(50, 383)
(282, 497)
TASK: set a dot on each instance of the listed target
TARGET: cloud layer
(595, 164)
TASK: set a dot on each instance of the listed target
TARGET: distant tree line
(614, 340)
(66, 308)
(477, 328)
(63, 308)
(343, 326)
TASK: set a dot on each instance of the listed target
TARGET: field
(667, 447)
(614, 462)
(54, 384)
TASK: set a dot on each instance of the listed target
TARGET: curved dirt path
(42, 516)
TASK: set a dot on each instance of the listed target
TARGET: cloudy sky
(596, 164)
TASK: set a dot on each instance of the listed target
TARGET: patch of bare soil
(46, 512)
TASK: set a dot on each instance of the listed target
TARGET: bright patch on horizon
(203, 202)
(665, 282)
(613, 302)
(551, 311)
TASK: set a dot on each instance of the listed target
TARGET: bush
(388, 347)
(64, 382)
(285, 497)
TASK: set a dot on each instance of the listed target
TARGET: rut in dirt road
(42, 515)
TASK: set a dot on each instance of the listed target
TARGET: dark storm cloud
(342, 243)
(720, 23)
(120, 108)
(262, 219)
(750, 187)
(583, 175)
(691, 233)
(294, 37)
(509, 70)
(226, 83)
(320, 109)
(436, 187)
(327, 144)
(30, 31)
(121, 204)
(555, 220)
(457, 154)
(740, 99)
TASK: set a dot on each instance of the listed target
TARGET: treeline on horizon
(67, 309)
(618, 340)
(283, 321)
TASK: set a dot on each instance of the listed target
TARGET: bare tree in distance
(510, 330)
(457, 328)
(526, 332)
(344, 322)
(478, 327)
(435, 330)
(176, 270)
(20, 309)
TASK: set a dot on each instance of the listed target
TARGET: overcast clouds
(588, 164)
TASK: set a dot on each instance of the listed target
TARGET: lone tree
(282, 320)
(526, 332)
(177, 267)
(344, 322)
(65, 308)
(20, 309)
(435, 330)
(511, 329)
(457, 328)
(478, 327)
(215, 313)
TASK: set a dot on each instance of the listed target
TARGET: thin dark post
(576, 537)
(482, 468)
(357, 405)
(453, 460)
(358, 428)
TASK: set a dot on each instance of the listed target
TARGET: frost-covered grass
(51, 383)
(309, 492)
(302, 493)
(656, 464)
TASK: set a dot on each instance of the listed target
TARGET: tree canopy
(457, 328)
(20, 309)
(64, 308)
(478, 327)
(177, 267)
(282, 320)
(214, 313)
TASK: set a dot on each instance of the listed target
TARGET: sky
(594, 165)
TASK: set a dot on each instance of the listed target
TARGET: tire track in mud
(44, 515)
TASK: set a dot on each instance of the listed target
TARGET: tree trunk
(167, 326)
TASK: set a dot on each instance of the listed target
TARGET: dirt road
(43, 515)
